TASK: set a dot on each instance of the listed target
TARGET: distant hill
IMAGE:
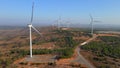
(11, 27)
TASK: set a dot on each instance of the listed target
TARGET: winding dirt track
(80, 58)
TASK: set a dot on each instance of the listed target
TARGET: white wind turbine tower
(30, 29)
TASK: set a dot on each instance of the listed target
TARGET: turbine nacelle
(29, 25)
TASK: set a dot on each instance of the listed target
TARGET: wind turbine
(68, 23)
(92, 21)
(30, 29)
(58, 21)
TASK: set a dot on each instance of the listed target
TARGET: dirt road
(80, 58)
(89, 40)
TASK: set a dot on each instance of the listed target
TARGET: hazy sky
(15, 12)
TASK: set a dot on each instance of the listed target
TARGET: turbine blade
(37, 31)
(97, 21)
(91, 18)
(32, 12)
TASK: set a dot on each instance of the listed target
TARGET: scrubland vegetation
(105, 51)
(107, 47)
(63, 39)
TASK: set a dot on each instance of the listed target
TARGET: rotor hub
(30, 25)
